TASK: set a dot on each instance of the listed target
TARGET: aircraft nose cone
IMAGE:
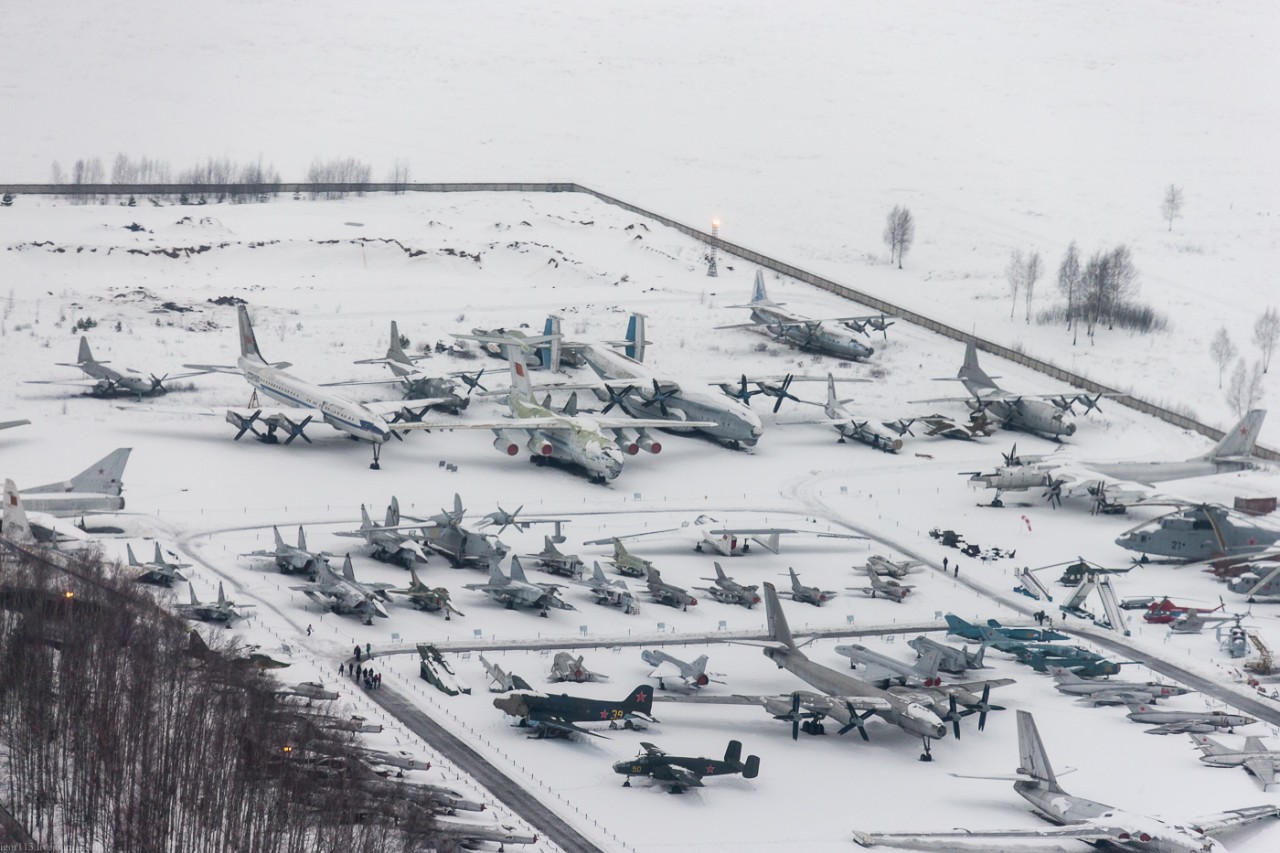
(1071, 429)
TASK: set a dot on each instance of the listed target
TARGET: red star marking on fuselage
(711, 768)
(641, 696)
(604, 715)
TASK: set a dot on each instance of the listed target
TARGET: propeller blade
(296, 430)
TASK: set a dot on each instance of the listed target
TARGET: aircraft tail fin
(248, 341)
(521, 389)
(639, 699)
(1209, 746)
(395, 352)
(970, 371)
(720, 575)
(365, 521)
(133, 559)
(393, 512)
(191, 590)
(103, 476)
(636, 342)
(517, 570)
(1034, 761)
(975, 660)
(85, 356)
(733, 755)
(699, 664)
(222, 595)
(302, 539)
(347, 571)
(159, 557)
(751, 769)
(832, 400)
(549, 353)
(1239, 440)
(15, 525)
(495, 574)
(957, 626)
(928, 664)
(758, 293)
(597, 573)
(778, 628)
(415, 583)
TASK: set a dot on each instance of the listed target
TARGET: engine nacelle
(503, 444)
(648, 444)
(539, 446)
(627, 444)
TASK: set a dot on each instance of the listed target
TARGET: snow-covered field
(323, 284)
(1001, 125)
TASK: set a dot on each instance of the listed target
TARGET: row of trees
(120, 731)
(1245, 388)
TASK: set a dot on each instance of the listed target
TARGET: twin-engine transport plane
(363, 421)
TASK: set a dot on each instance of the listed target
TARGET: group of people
(372, 680)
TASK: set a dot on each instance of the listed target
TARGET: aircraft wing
(393, 407)
(684, 776)
(11, 424)
(770, 531)
(1234, 817)
(609, 539)
(666, 669)
(1264, 767)
(872, 671)
(563, 725)
(930, 840)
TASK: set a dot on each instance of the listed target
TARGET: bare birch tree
(1244, 390)
(1171, 207)
(1032, 269)
(899, 233)
(1266, 334)
(1222, 350)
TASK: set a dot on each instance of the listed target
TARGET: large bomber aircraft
(815, 335)
(95, 489)
(107, 382)
(1076, 817)
(20, 526)
(364, 421)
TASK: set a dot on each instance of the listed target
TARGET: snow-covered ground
(323, 284)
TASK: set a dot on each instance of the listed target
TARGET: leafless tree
(400, 175)
(1171, 207)
(899, 233)
(1013, 273)
(1032, 269)
(1244, 390)
(56, 175)
(1069, 276)
(1222, 350)
(1266, 334)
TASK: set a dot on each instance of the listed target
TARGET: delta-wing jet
(1186, 722)
(1075, 818)
(951, 660)
(624, 562)
(515, 590)
(105, 381)
(97, 488)
(1113, 692)
(711, 534)
(158, 570)
(293, 559)
(678, 675)
(374, 423)
(827, 335)
(343, 594)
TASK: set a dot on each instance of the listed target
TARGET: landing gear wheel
(377, 454)
(927, 755)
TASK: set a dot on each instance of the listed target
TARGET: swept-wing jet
(104, 381)
(978, 426)
(563, 436)
(824, 336)
(668, 593)
(557, 563)
(807, 594)
(849, 700)
(343, 594)
(1108, 692)
(884, 587)
(613, 593)
(950, 660)
(1075, 817)
(218, 611)
(307, 401)
(423, 597)
(389, 541)
(503, 681)
(993, 630)
(471, 835)
(885, 567)
(883, 670)
(624, 562)
(1254, 757)
(728, 591)
(565, 667)
(1114, 485)
(1186, 722)
(1039, 414)
(675, 674)
(95, 489)
(683, 773)
(158, 570)
(1200, 532)
(293, 559)
(26, 527)
(553, 716)
(516, 590)
(711, 534)
(417, 384)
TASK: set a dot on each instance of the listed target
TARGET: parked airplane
(565, 667)
(897, 569)
(809, 334)
(431, 599)
(313, 690)
(1253, 757)
(158, 570)
(808, 594)
(107, 382)
(293, 559)
(728, 591)
(364, 421)
(21, 526)
(993, 630)
(445, 534)
(557, 563)
(1076, 817)
(864, 430)
(1038, 414)
(219, 611)
(667, 593)
(1186, 722)
(417, 384)
(470, 835)
(563, 436)
(853, 701)
(952, 660)
(886, 587)
(553, 716)
(613, 593)
(548, 351)
(713, 534)
(95, 489)
(883, 670)
(1200, 532)
(624, 562)
(516, 590)
(344, 594)
(503, 681)
(684, 773)
(1106, 692)
(675, 674)
(1114, 485)
(978, 426)
(389, 541)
